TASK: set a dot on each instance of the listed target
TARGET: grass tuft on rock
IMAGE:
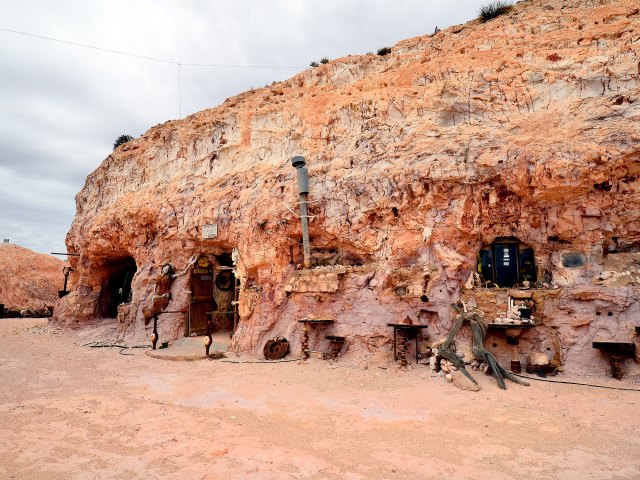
(493, 10)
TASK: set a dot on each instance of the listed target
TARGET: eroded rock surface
(525, 127)
(29, 280)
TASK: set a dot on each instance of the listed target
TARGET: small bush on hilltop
(122, 139)
(384, 51)
(493, 10)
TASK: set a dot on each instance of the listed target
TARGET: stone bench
(307, 322)
(618, 351)
(335, 345)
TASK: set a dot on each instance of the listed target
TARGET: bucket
(515, 366)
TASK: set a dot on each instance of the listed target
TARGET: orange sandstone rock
(29, 280)
(523, 127)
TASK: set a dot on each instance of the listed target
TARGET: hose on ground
(576, 383)
(114, 345)
(262, 361)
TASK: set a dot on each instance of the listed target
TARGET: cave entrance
(214, 295)
(117, 285)
(507, 262)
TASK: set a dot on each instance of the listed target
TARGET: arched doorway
(214, 295)
(507, 262)
(116, 288)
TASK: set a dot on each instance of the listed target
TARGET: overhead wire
(148, 58)
(143, 57)
(180, 90)
(84, 45)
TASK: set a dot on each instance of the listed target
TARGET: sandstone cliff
(28, 280)
(524, 127)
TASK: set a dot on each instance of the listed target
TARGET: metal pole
(303, 189)
(236, 287)
(304, 218)
(154, 335)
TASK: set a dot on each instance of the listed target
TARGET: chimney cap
(298, 161)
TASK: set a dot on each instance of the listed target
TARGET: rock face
(28, 280)
(515, 137)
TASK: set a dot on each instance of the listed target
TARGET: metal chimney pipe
(303, 189)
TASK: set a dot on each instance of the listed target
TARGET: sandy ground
(71, 412)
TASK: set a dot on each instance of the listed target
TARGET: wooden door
(202, 301)
(224, 294)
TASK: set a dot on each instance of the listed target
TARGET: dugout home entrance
(214, 295)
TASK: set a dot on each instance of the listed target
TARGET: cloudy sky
(62, 106)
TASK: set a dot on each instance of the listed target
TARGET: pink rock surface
(525, 126)
(28, 280)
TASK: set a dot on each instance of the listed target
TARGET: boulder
(463, 383)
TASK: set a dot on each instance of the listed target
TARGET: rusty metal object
(516, 367)
(154, 335)
(66, 271)
(208, 340)
(276, 349)
(225, 280)
(299, 163)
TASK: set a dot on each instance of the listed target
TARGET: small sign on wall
(210, 230)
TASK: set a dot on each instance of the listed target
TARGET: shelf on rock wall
(504, 326)
(615, 347)
(316, 320)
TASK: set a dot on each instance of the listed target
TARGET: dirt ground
(73, 412)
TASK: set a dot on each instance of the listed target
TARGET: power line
(180, 90)
(148, 58)
(237, 66)
(142, 57)
(43, 37)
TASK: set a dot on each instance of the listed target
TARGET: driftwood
(479, 330)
